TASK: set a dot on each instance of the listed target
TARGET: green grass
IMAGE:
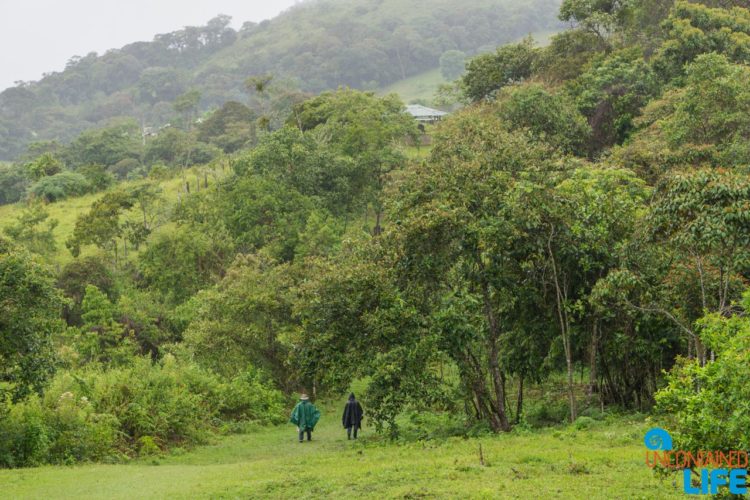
(422, 86)
(605, 461)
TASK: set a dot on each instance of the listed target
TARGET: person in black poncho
(352, 419)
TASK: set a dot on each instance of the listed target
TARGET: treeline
(316, 45)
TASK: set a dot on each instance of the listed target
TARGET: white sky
(39, 36)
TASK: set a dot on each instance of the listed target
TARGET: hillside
(313, 46)
(67, 211)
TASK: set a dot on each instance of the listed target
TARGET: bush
(546, 412)
(169, 401)
(583, 423)
(137, 410)
(248, 396)
(98, 176)
(705, 407)
(159, 172)
(23, 434)
(65, 431)
(60, 186)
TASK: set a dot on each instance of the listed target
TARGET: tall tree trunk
(592, 360)
(377, 229)
(562, 314)
(494, 357)
(476, 379)
(519, 400)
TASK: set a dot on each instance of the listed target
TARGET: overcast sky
(39, 36)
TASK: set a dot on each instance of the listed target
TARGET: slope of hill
(315, 45)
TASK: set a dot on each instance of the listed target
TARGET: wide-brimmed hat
(304, 397)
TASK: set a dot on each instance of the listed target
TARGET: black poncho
(352, 414)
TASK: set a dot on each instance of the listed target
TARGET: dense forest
(583, 221)
(313, 46)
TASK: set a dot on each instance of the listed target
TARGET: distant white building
(423, 114)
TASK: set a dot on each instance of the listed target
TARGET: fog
(39, 36)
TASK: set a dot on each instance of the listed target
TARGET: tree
(231, 127)
(260, 88)
(186, 105)
(75, 276)
(611, 94)
(102, 338)
(101, 226)
(60, 186)
(704, 122)
(263, 213)
(578, 229)
(366, 128)
(488, 73)
(600, 17)
(711, 118)
(13, 183)
(180, 263)
(703, 216)
(452, 64)
(452, 234)
(30, 307)
(45, 165)
(160, 84)
(105, 146)
(97, 176)
(694, 29)
(567, 55)
(246, 319)
(550, 118)
(30, 231)
(310, 166)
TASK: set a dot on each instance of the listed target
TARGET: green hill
(313, 46)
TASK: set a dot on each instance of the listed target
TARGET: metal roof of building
(419, 111)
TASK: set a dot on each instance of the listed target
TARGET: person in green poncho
(305, 416)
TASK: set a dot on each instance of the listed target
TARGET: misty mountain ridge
(313, 46)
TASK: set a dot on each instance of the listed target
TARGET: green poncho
(305, 415)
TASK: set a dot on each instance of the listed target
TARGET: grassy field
(422, 86)
(604, 461)
(67, 211)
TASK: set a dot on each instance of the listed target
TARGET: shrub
(147, 446)
(249, 396)
(98, 176)
(137, 410)
(60, 186)
(583, 423)
(705, 407)
(159, 172)
(23, 434)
